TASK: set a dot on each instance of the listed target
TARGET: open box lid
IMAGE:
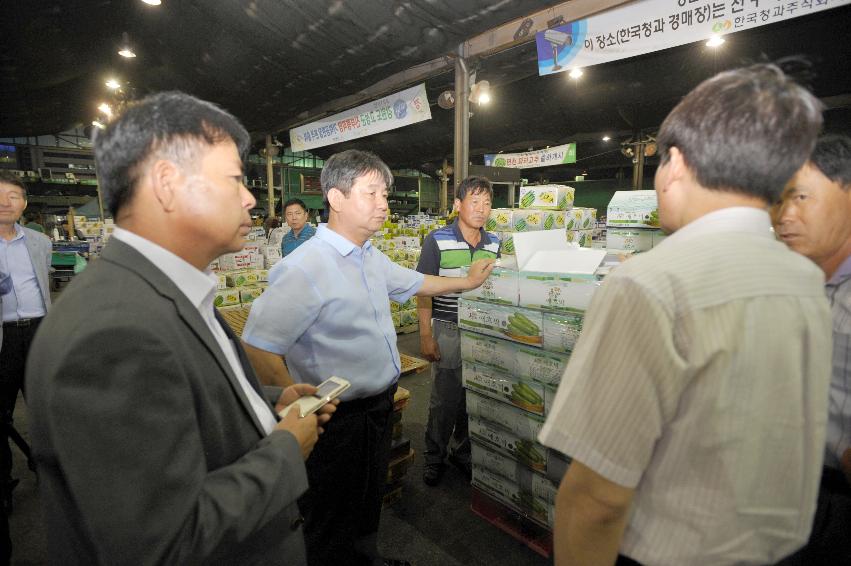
(548, 251)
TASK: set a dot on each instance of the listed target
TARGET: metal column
(270, 179)
(462, 118)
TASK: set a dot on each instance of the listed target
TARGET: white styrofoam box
(540, 366)
(268, 251)
(633, 209)
(500, 287)
(500, 220)
(222, 282)
(510, 493)
(483, 349)
(512, 323)
(526, 452)
(526, 394)
(510, 469)
(515, 420)
(584, 238)
(248, 294)
(225, 297)
(581, 218)
(240, 260)
(557, 291)
(507, 246)
(635, 239)
(257, 233)
(561, 331)
(252, 247)
(269, 263)
(555, 197)
(529, 220)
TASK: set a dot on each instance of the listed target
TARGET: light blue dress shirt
(24, 300)
(327, 310)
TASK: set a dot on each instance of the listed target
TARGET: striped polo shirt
(444, 253)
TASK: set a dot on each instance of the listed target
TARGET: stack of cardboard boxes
(632, 222)
(517, 332)
(544, 207)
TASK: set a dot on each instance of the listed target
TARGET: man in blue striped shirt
(445, 251)
(295, 213)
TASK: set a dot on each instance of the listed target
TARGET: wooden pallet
(411, 364)
(236, 316)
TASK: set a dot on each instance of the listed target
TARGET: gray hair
(343, 169)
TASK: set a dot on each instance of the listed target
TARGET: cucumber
(525, 322)
(522, 326)
(527, 393)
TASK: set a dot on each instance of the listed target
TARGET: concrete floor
(429, 526)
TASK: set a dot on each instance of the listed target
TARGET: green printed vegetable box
(521, 476)
(527, 452)
(553, 197)
(511, 494)
(528, 395)
(500, 287)
(513, 323)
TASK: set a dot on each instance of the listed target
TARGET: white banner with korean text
(645, 26)
(387, 113)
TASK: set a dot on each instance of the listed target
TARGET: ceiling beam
(500, 38)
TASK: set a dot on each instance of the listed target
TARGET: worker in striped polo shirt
(445, 251)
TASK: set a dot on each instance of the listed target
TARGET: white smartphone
(326, 392)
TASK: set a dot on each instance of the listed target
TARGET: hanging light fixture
(715, 41)
(126, 50)
(480, 92)
(575, 73)
(113, 84)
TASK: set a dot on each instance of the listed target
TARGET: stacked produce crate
(402, 242)
(244, 275)
(632, 222)
(517, 332)
(544, 207)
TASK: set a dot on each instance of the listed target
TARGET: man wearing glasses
(295, 213)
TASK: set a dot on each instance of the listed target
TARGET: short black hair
(832, 156)
(342, 169)
(474, 185)
(10, 178)
(172, 124)
(746, 131)
(293, 201)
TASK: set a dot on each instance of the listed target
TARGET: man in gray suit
(151, 434)
(24, 300)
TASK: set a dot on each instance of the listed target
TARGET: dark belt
(22, 322)
(367, 404)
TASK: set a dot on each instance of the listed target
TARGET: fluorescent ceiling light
(576, 73)
(152, 2)
(127, 52)
(113, 84)
(715, 41)
(606, 138)
(105, 108)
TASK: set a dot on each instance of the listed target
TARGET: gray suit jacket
(147, 449)
(41, 250)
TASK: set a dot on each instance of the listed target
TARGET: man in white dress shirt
(154, 440)
(694, 404)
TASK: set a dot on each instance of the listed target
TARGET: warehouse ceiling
(269, 61)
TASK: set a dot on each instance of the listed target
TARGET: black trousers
(346, 472)
(830, 539)
(13, 360)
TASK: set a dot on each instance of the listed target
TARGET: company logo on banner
(652, 25)
(542, 158)
(394, 111)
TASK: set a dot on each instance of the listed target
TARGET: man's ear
(335, 198)
(165, 179)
